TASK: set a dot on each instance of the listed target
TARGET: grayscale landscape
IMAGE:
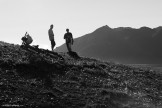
(80, 54)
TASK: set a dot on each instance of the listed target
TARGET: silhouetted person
(51, 37)
(27, 39)
(69, 39)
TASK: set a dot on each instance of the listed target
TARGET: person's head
(67, 30)
(51, 26)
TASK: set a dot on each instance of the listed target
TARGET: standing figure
(69, 39)
(51, 37)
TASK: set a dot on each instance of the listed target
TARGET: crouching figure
(27, 39)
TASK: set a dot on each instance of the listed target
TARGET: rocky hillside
(32, 77)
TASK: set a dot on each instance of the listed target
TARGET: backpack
(29, 39)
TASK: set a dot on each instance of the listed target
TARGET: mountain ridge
(123, 44)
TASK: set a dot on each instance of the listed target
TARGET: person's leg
(68, 46)
(52, 44)
(24, 39)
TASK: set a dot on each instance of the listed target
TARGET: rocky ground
(31, 77)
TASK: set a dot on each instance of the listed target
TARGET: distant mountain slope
(38, 78)
(123, 44)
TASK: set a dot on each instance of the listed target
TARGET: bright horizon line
(45, 46)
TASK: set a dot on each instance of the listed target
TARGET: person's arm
(64, 36)
(52, 33)
(26, 34)
(72, 38)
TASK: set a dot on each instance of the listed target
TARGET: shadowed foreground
(40, 78)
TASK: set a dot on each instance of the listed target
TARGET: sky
(80, 16)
